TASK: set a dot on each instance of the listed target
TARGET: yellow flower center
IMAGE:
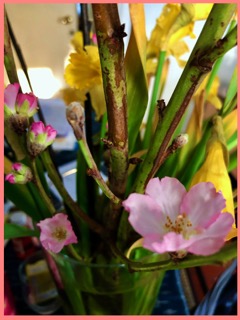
(59, 233)
(180, 225)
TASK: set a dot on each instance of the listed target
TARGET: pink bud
(10, 95)
(17, 166)
(10, 178)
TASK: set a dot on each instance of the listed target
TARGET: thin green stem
(94, 172)
(227, 253)
(76, 210)
(9, 62)
(41, 190)
(74, 253)
(155, 93)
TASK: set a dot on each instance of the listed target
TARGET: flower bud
(40, 137)
(20, 174)
(18, 107)
(76, 119)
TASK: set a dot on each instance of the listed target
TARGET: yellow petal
(139, 27)
(160, 34)
(98, 100)
(70, 95)
(77, 40)
(194, 128)
(201, 11)
(214, 169)
(136, 244)
(84, 70)
(230, 124)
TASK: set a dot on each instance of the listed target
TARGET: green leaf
(233, 161)
(137, 91)
(21, 197)
(231, 93)
(15, 231)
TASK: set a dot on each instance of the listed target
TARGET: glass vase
(106, 289)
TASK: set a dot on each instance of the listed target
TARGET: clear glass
(95, 289)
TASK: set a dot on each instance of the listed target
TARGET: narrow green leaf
(15, 231)
(233, 161)
(137, 91)
(21, 197)
(231, 92)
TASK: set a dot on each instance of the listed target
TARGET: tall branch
(110, 35)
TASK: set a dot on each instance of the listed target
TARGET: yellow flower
(212, 96)
(83, 73)
(214, 169)
(175, 22)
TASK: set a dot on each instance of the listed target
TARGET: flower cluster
(167, 167)
(20, 174)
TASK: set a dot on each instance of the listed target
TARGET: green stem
(94, 172)
(76, 210)
(155, 93)
(227, 253)
(74, 253)
(42, 192)
(8, 54)
(207, 50)
(218, 63)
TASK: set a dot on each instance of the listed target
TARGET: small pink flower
(26, 103)
(10, 95)
(17, 166)
(10, 178)
(40, 137)
(170, 219)
(56, 232)
(16, 103)
(20, 174)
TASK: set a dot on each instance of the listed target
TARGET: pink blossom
(17, 166)
(19, 103)
(26, 102)
(56, 232)
(37, 128)
(51, 133)
(10, 178)
(45, 134)
(170, 219)
(10, 95)
(40, 137)
(20, 174)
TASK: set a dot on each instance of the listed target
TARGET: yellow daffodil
(214, 169)
(230, 124)
(212, 96)
(175, 22)
(83, 73)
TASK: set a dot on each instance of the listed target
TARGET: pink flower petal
(51, 133)
(168, 193)
(10, 178)
(17, 166)
(145, 215)
(49, 227)
(37, 128)
(212, 238)
(170, 242)
(10, 95)
(201, 203)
